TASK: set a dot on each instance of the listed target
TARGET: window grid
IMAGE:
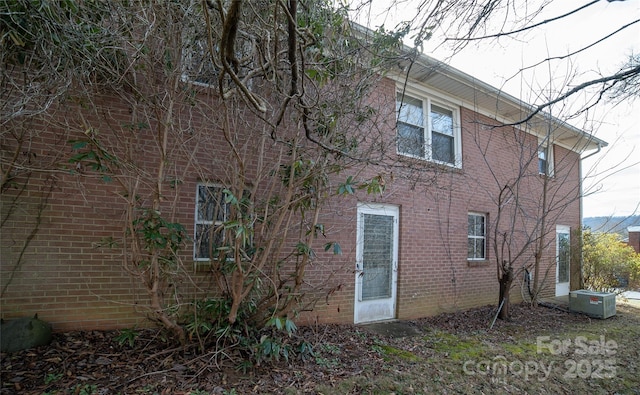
(211, 213)
(477, 240)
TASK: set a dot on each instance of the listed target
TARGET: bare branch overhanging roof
(496, 103)
(487, 99)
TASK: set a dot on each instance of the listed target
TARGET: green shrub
(609, 265)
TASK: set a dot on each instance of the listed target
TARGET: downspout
(591, 154)
(581, 285)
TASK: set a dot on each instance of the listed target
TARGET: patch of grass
(525, 369)
(456, 347)
(390, 351)
(521, 349)
(375, 384)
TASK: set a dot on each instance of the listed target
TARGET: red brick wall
(434, 274)
(61, 276)
(66, 274)
(69, 279)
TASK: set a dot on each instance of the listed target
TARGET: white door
(563, 259)
(376, 263)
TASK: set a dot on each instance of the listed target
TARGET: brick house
(423, 246)
(634, 237)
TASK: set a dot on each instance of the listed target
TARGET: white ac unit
(592, 303)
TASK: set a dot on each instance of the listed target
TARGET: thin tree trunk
(505, 285)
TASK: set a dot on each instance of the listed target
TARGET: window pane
(475, 248)
(471, 248)
(479, 230)
(211, 204)
(542, 154)
(442, 148)
(410, 140)
(377, 256)
(542, 166)
(202, 241)
(479, 249)
(564, 257)
(198, 65)
(410, 110)
(542, 160)
(208, 239)
(441, 120)
(476, 225)
(203, 215)
(206, 203)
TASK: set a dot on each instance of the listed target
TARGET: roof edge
(584, 141)
(475, 83)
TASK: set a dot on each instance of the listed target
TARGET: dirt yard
(541, 351)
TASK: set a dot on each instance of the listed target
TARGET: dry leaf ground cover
(540, 351)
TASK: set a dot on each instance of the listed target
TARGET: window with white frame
(202, 67)
(542, 160)
(477, 238)
(198, 65)
(211, 213)
(427, 129)
(545, 159)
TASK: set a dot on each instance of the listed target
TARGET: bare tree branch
(569, 55)
(616, 78)
(514, 32)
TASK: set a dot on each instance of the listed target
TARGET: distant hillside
(611, 224)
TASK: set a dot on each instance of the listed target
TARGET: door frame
(562, 289)
(384, 308)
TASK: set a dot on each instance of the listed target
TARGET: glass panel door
(377, 256)
(376, 262)
(563, 260)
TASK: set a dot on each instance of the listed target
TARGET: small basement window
(477, 240)
(211, 213)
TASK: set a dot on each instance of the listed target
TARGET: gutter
(594, 152)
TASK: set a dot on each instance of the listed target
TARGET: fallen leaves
(94, 362)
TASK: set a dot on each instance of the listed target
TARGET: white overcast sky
(614, 173)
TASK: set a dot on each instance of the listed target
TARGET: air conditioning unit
(592, 303)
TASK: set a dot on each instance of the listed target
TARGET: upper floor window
(198, 65)
(211, 213)
(542, 160)
(202, 64)
(545, 159)
(428, 129)
(476, 236)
